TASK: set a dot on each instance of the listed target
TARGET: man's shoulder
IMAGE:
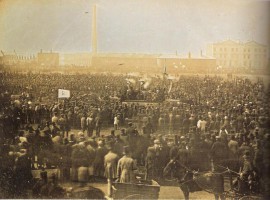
(183, 151)
(218, 143)
(124, 158)
(111, 155)
(151, 152)
(151, 148)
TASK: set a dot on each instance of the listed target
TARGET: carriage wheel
(134, 196)
(171, 179)
(250, 197)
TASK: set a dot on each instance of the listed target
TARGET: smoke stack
(201, 54)
(94, 30)
(189, 55)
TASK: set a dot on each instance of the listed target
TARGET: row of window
(236, 63)
(236, 49)
(248, 56)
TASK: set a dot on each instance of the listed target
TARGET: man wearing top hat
(130, 131)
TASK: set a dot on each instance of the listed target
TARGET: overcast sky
(137, 26)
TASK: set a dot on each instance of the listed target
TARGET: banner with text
(63, 93)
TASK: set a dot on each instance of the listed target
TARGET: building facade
(122, 62)
(48, 59)
(76, 59)
(178, 64)
(9, 59)
(232, 54)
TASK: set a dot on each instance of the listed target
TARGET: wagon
(229, 192)
(141, 190)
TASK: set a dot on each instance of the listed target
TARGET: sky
(130, 26)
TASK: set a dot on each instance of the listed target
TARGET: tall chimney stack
(94, 30)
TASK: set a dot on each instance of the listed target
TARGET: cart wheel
(250, 198)
(170, 180)
(134, 196)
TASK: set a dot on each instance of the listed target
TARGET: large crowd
(150, 119)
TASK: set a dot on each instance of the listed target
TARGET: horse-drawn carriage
(141, 190)
(222, 185)
(218, 183)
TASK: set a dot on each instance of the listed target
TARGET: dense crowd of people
(198, 119)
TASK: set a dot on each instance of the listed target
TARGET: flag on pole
(63, 93)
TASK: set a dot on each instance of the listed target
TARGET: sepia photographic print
(134, 99)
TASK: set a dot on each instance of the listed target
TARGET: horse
(192, 181)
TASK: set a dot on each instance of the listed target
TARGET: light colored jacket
(110, 164)
(125, 169)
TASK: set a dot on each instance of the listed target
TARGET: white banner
(63, 93)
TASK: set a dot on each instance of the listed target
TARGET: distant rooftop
(171, 56)
(229, 41)
(135, 55)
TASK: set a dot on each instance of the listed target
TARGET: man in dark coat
(185, 124)
(6, 172)
(90, 123)
(152, 161)
(246, 175)
(219, 151)
(118, 145)
(148, 128)
(98, 122)
(22, 173)
(123, 137)
(98, 163)
(130, 131)
(79, 158)
(55, 130)
(44, 145)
